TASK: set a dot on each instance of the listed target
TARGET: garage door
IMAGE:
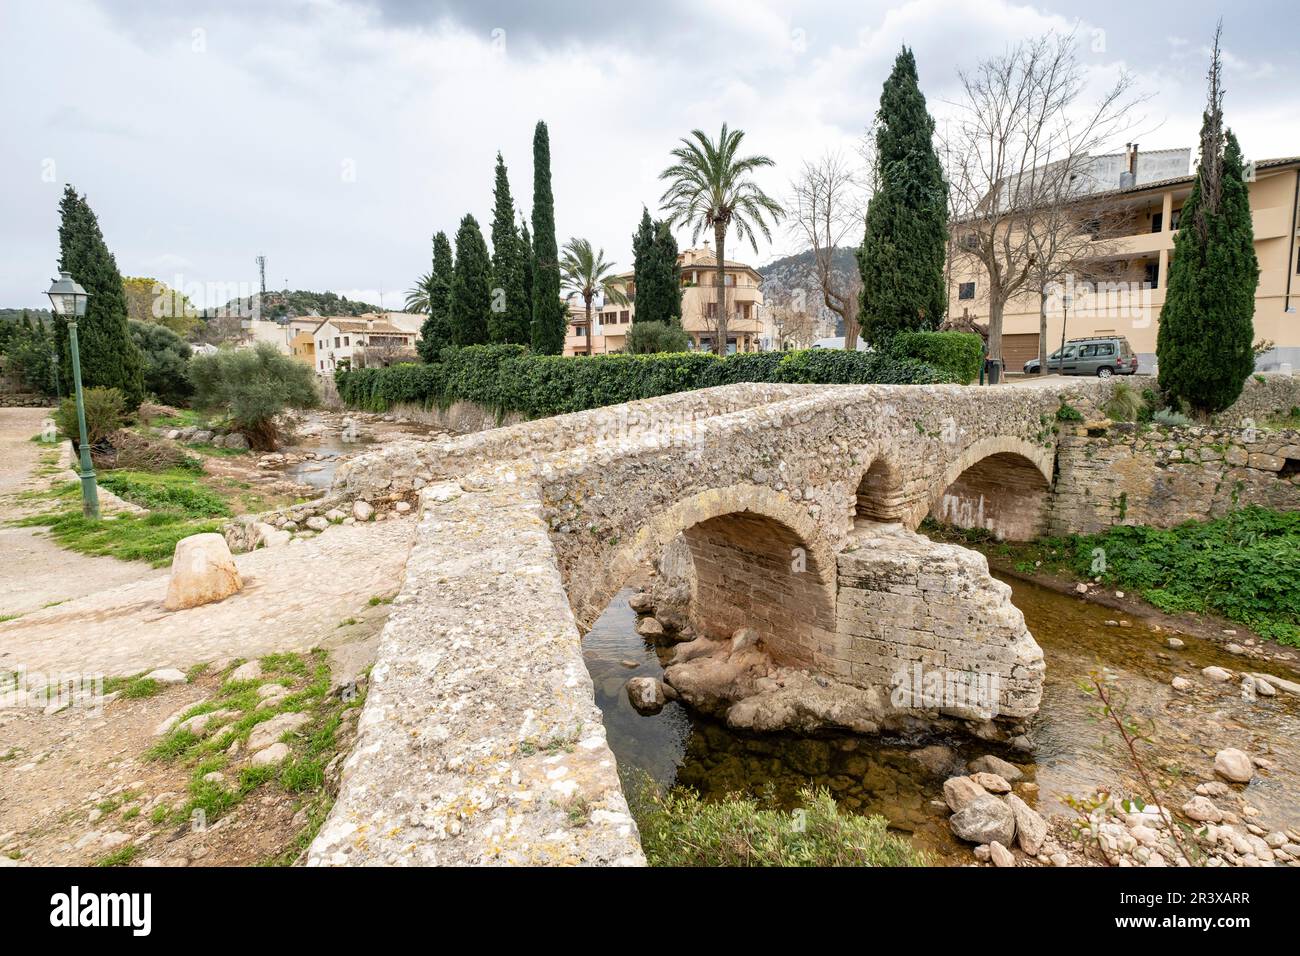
(1018, 349)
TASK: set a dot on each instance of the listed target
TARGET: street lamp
(1066, 300)
(69, 301)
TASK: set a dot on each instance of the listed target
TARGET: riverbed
(1075, 753)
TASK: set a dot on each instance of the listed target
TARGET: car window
(1087, 350)
(1107, 349)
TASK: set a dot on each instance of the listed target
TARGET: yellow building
(303, 347)
(744, 300)
(1125, 291)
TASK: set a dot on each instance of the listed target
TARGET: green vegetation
(151, 537)
(511, 318)
(152, 302)
(166, 361)
(27, 345)
(471, 293)
(108, 355)
(1170, 418)
(1126, 403)
(1243, 566)
(252, 387)
(105, 410)
(135, 687)
(173, 490)
(655, 273)
(652, 338)
(680, 829)
(1068, 413)
(903, 249)
(958, 355)
(1204, 342)
(583, 270)
(509, 378)
(546, 331)
(710, 186)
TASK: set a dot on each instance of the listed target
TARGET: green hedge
(509, 378)
(957, 355)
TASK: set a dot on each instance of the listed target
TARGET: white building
(357, 342)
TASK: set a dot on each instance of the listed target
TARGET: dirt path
(37, 572)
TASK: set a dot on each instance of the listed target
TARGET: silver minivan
(1104, 356)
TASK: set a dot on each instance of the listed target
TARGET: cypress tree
(109, 357)
(548, 323)
(903, 249)
(655, 272)
(526, 267)
(511, 314)
(471, 286)
(1207, 322)
(435, 333)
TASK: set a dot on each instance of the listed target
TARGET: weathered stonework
(1164, 476)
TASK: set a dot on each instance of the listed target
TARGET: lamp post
(69, 300)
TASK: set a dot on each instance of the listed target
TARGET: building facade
(747, 326)
(1121, 291)
(360, 342)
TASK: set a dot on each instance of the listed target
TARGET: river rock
(649, 627)
(270, 756)
(166, 675)
(986, 819)
(959, 791)
(1031, 828)
(1202, 810)
(1234, 765)
(935, 758)
(269, 536)
(1175, 644)
(1263, 688)
(1180, 683)
(362, 510)
(1000, 855)
(646, 695)
(203, 571)
(991, 782)
(249, 670)
(996, 765)
(237, 441)
(1217, 674)
(641, 602)
(318, 523)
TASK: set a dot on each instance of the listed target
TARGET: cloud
(335, 136)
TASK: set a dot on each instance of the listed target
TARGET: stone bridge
(480, 740)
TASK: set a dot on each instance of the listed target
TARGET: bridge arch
(880, 495)
(1000, 484)
(760, 561)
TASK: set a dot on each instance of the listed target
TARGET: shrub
(509, 378)
(1068, 413)
(1243, 566)
(1125, 403)
(252, 386)
(680, 829)
(166, 361)
(957, 355)
(1170, 418)
(650, 338)
(105, 414)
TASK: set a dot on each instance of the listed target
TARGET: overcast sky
(335, 137)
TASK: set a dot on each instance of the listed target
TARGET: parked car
(1103, 357)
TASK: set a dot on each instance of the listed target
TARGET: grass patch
(151, 537)
(134, 688)
(680, 829)
(122, 857)
(174, 490)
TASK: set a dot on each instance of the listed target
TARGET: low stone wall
(24, 400)
(1149, 475)
(480, 742)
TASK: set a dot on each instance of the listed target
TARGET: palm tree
(419, 297)
(586, 272)
(710, 188)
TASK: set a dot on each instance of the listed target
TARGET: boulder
(641, 602)
(986, 819)
(362, 510)
(203, 571)
(249, 670)
(959, 791)
(1180, 683)
(1218, 674)
(1234, 765)
(1000, 855)
(991, 764)
(936, 758)
(236, 440)
(646, 695)
(649, 627)
(269, 536)
(270, 756)
(201, 436)
(1031, 828)
(318, 523)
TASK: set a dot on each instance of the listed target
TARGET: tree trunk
(590, 331)
(720, 238)
(1042, 332)
(995, 329)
